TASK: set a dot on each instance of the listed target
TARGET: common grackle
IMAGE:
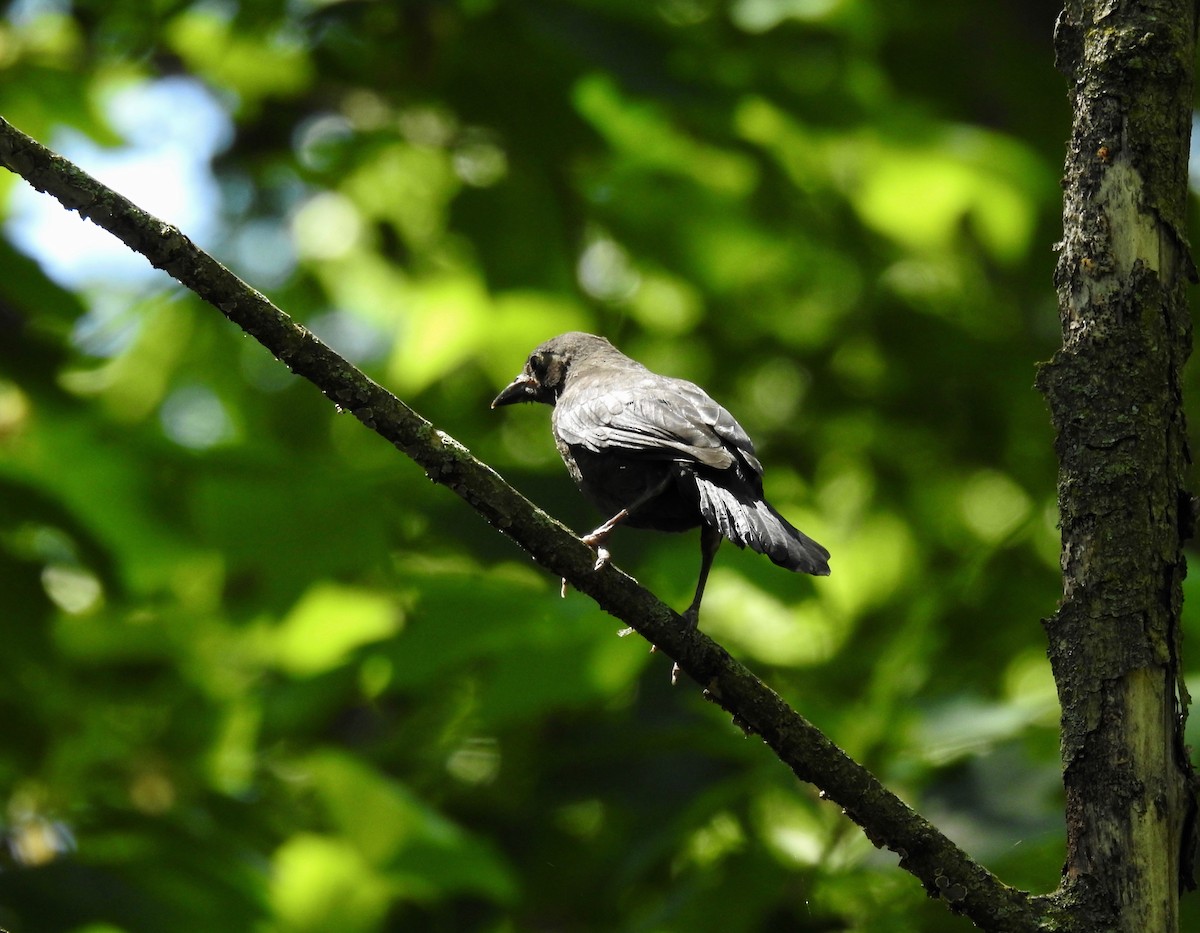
(656, 452)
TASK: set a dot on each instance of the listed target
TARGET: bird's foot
(603, 559)
(691, 619)
(596, 542)
(600, 535)
(675, 667)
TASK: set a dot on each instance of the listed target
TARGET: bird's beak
(521, 389)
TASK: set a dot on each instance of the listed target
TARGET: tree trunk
(1116, 403)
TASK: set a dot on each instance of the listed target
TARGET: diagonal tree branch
(942, 867)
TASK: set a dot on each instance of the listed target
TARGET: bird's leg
(710, 540)
(595, 539)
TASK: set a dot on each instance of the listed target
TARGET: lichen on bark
(1114, 390)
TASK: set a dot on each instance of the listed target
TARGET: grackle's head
(546, 370)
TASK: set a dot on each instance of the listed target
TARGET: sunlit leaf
(328, 623)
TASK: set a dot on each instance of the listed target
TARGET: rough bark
(1116, 403)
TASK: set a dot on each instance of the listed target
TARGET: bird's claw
(675, 668)
(603, 559)
(691, 619)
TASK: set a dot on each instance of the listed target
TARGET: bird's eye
(537, 363)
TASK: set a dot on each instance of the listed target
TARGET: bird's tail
(748, 521)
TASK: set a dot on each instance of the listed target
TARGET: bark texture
(1115, 398)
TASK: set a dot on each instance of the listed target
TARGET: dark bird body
(656, 452)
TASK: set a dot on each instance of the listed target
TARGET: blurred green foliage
(260, 674)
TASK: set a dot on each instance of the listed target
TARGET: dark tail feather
(748, 521)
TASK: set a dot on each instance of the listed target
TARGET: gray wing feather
(656, 417)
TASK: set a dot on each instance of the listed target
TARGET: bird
(656, 452)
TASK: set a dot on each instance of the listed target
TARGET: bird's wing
(726, 427)
(655, 417)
